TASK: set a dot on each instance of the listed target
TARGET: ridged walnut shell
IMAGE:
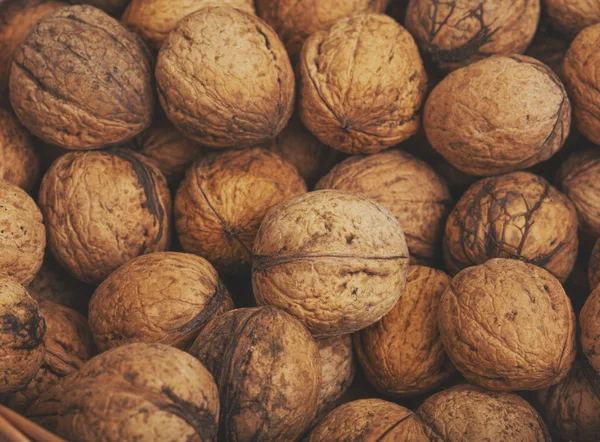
(403, 355)
(458, 33)
(498, 115)
(508, 325)
(103, 209)
(415, 194)
(572, 16)
(268, 370)
(362, 84)
(594, 266)
(224, 78)
(590, 328)
(335, 260)
(517, 215)
(161, 297)
(224, 198)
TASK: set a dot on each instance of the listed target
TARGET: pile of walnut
(319, 220)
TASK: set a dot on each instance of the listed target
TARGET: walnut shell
(112, 7)
(594, 266)
(335, 260)
(572, 16)
(243, 96)
(498, 115)
(403, 355)
(268, 371)
(508, 325)
(81, 81)
(469, 413)
(362, 84)
(459, 33)
(103, 209)
(415, 194)
(518, 215)
(590, 328)
(22, 234)
(133, 392)
(22, 330)
(223, 199)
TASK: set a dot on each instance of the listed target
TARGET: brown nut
(518, 215)
(469, 413)
(22, 330)
(267, 367)
(594, 266)
(508, 325)
(590, 328)
(572, 16)
(335, 260)
(133, 392)
(464, 31)
(415, 194)
(223, 199)
(498, 115)
(112, 7)
(243, 96)
(81, 81)
(403, 355)
(103, 209)
(374, 104)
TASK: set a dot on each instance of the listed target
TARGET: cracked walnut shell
(572, 16)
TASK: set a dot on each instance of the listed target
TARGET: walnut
(335, 260)
(590, 328)
(224, 198)
(133, 392)
(594, 266)
(268, 370)
(81, 80)
(224, 78)
(458, 33)
(415, 194)
(19, 162)
(518, 215)
(22, 330)
(508, 325)
(112, 7)
(572, 16)
(103, 209)
(498, 115)
(362, 84)
(403, 355)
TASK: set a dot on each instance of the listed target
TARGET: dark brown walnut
(81, 81)
(594, 266)
(549, 49)
(572, 16)
(103, 209)
(415, 194)
(112, 7)
(518, 215)
(223, 199)
(267, 367)
(590, 328)
(498, 115)
(362, 84)
(22, 234)
(467, 413)
(458, 33)
(336, 260)
(224, 78)
(163, 297)
(22, 330)
(403, 355)
(134, 392)
(508, 325)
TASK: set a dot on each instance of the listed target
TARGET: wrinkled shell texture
(112, 7)
(338, 368)
(498, 115)
(81, 81)
(224, 198)
(589, 323)
(134, 392)
(22, 234)
(403, 355)
(508, 325)
(153, 20)
(268, 370)
(370, 420)
(103, 209)
(415, 194)
(225, 79)
(572, 16)
(335, 260)
(457, 33)
(161, 297)
(594, 266)
(362, 84)
(22, 330)
(469, 413)
(519, 216)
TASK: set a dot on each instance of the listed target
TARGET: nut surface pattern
(338, 367)
(572, 16)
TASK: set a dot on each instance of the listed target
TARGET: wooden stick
(9, 433)
(34, 431)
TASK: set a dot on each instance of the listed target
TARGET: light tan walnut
(338, 367)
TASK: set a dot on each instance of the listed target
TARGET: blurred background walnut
(572, 16)
(112, 7)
